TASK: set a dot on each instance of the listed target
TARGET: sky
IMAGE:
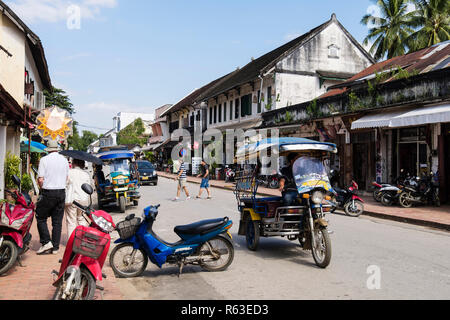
(115, 56)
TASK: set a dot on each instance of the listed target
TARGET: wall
(12, 69)
(297, 80)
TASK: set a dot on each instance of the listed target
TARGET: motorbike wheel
(120, 261)
(377, 195)
(87, 288)
(385, 200)
(122, 204)
(252, 235)
(274, 184)
(8, 256)
(221, 246)
(322, 251)
(403, 200)
(354, 210)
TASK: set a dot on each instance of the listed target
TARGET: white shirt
(77, 177)
(54, 169)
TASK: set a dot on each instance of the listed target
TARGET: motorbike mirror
(16, 180)
(87, 188)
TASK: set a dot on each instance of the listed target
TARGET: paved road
(412, 262)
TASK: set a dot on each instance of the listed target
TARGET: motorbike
(377, 194)
(85, 255)
(15, 224)
(347, 199)
(422, 191)
(390, 195)
(229, 174)
(206, 243)
(272, 182)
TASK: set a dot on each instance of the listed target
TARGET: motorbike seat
(339, 190)
(201, 227)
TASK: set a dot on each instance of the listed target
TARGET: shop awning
(405, 117)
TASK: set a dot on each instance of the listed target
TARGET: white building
(23, 77)
(123, 119)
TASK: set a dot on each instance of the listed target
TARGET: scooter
(206, 243)
(229, 174)
(423, 191)
(15, 224)
(347, 199)
(85, 255)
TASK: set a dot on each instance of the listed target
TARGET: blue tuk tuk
(121, 184)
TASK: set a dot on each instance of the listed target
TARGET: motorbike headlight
(103, 224)
(317, 197)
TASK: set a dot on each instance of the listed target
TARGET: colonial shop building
(393, 115)
(23, 77)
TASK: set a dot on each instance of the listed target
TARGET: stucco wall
(12, 68)
(298, 81)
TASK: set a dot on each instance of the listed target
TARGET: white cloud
(32, 11)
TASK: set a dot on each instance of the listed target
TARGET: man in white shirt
(52, 178)
(77, 177)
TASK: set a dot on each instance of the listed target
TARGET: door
(360, 163)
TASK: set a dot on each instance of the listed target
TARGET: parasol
(81, 155)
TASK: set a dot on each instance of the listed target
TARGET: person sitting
(288, 188)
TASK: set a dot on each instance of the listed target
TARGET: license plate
(144, 178)
(121, 181)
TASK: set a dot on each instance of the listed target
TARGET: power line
(89, 127)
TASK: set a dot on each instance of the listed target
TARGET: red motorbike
(15, 224)
(85, 255)
(348, 200)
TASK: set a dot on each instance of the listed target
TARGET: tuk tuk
(121, 184)
(269, 216)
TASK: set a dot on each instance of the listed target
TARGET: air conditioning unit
(39, 100)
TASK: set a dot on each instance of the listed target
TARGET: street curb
(422, 223)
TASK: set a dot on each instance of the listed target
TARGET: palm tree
(432, 20)
(391, 30)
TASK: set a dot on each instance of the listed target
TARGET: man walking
(204, 169)
(182, 180)
(77, 177)
(52, 178)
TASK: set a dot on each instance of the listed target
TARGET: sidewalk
(424, 216)
(34, 280)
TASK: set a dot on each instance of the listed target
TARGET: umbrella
(35, 147)
(81, 155)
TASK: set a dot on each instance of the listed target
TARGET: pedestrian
(182, 179)
(204, 174)
(77, 177)
(52, 178)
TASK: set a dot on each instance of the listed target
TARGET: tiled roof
(429, 59)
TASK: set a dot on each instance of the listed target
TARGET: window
(198, 117)
(236, 109)
(220, 112)
(269, 98)
(333, 51)
(191, 119)
(224, 112)
(215, 114)
(231, 110)
(259, 101)
(246, 105)
(210, 115)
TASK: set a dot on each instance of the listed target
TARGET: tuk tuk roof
(287, 144)
(118, 154)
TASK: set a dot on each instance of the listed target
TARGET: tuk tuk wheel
(122, 204)
(252, 235)
(322, 250)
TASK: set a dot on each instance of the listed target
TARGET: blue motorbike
(206, 243)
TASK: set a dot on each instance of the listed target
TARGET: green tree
(133, 134)
(391, 29)
(432, 20)
(58, 97)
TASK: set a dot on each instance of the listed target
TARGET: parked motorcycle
(85, 255)
(347, 199)
(272, 182)
(15, 224)
(230, 175)
(206, 243)
(423, 191)
(378, 192)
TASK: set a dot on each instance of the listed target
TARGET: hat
(52, 146)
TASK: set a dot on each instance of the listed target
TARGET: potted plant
(12, 168)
